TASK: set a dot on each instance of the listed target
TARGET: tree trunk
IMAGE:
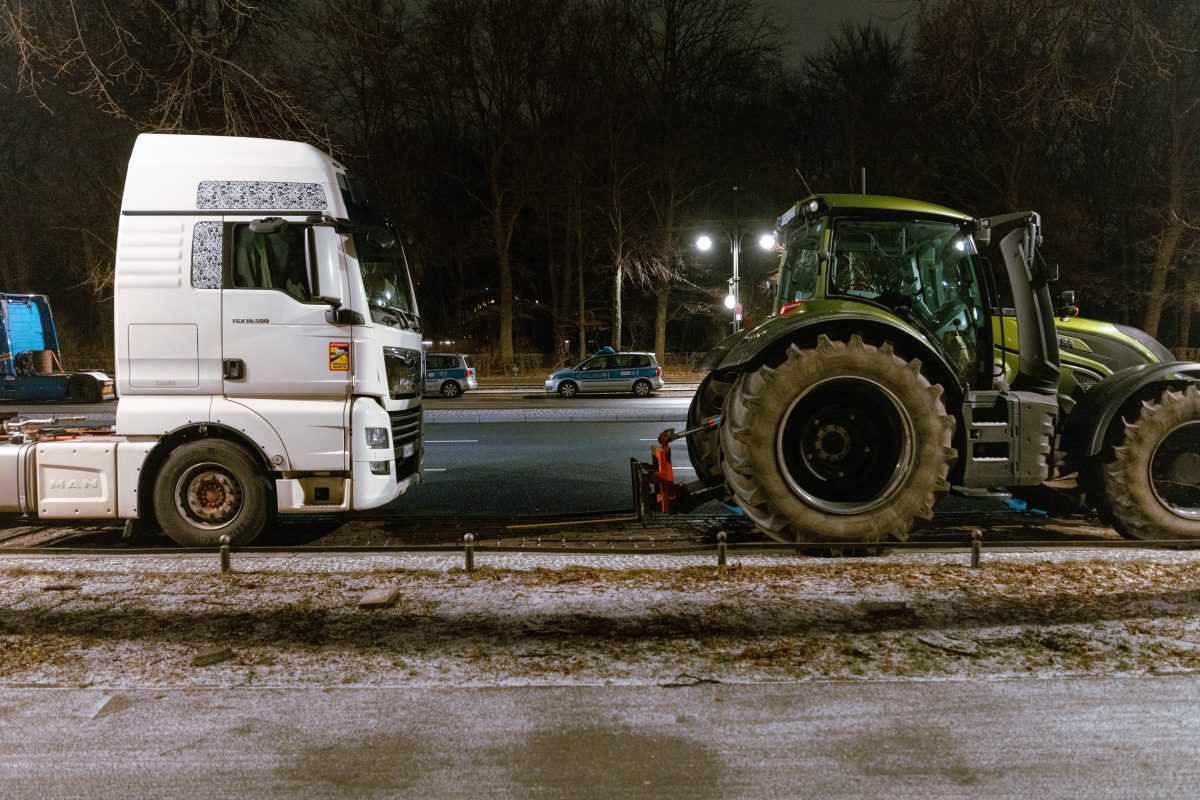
(503, 223)
(579, 281)
(1168, 243)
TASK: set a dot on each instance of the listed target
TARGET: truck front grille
(406, 430)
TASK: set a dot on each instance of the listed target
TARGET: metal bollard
(225, 566)
(722, 550)
(976, 546)
(469, 550)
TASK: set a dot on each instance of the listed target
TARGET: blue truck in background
(31, 360)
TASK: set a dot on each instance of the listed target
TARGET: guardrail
(722, 549)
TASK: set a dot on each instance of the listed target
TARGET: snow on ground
(554, 620)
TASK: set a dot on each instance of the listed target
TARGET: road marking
(451, 441)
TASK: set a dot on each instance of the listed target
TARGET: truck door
(279, 341)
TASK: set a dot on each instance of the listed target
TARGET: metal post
(976, 546)
(722, 550)
(225, 565)
(469, 549)
(737, 249)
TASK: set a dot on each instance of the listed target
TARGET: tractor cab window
(920, 269)
(798, 273)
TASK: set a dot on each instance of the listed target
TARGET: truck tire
(704, 447)
(83, 389)
(208, 489)
(842, 442)
(1152, 483)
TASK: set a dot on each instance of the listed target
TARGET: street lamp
(704, 243)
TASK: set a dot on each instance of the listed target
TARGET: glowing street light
(704, 243)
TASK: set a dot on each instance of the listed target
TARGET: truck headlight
(377, 438)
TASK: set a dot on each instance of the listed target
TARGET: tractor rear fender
(767, 344)
(1088, 426)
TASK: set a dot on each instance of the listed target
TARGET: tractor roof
(873, 202)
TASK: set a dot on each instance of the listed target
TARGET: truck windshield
(385, 277)
(380, 254)
(925, 269)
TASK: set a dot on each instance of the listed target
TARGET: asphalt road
(523, 468)
(1062, 738)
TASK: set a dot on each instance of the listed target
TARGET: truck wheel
(704, 447)
(208, 489)
(844, 441)
(83, 389)
(451, 389)
(1152, 484)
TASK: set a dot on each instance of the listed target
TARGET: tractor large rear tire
(1152, 484)
(704, 447)
(842, 442)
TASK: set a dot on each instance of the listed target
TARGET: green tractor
(914, 350)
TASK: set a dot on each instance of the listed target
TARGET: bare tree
(696, 60)
(164, 65)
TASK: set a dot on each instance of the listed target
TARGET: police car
(608, 371)
(448, 374)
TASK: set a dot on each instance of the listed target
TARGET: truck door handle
(234, 369)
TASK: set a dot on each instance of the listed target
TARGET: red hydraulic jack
(654, 486)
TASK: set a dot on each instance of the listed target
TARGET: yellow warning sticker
(339, 356)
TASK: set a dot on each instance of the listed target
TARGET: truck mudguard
(1088, 423)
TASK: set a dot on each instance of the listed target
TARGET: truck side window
(271, 261)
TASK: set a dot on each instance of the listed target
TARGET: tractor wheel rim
(209, 496)
(1175, 471)
(845, 445)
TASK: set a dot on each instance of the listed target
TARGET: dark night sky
(807, 24)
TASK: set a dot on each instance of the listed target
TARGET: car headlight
(377, 438)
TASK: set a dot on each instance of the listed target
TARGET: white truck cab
(268, 350)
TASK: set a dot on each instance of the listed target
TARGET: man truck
(268, 350)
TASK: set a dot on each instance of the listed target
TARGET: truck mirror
(268, 225)
(326, 265)
(381, 237)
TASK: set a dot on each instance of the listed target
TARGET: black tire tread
(1133, 508)
(757, 405)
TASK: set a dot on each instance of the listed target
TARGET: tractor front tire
(1152, 483)
(704, 447)
(841, 442)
